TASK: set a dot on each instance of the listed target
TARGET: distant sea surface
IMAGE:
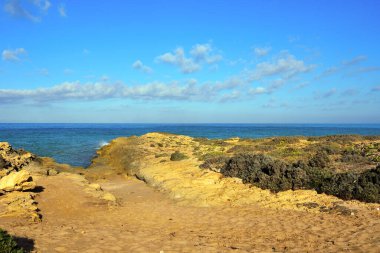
(76, 144)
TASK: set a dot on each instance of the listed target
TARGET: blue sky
(190, 61)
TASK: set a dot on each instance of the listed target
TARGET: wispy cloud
(376, 88)
(350, 92)
(199, 54)
(365, 70)
(356, 60)
(62, 10)
(30, 10)
(327, 94)
(328, 72)
(68, 71)
(273, 104)
(138, 65)
(43, 71)
(301, 85)
(346, 65)
(261, 51)
(13, 55)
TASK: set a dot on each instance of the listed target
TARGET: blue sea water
(76, 144)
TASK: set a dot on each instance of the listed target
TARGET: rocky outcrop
(17, 181)
(12, 177)
(12, 159)
(19, 204)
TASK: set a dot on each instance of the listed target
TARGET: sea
(76, 144)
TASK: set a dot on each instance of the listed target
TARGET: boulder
(17, 181)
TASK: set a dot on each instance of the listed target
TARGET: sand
(145, 220)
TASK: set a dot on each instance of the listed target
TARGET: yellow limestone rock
(109, 196)
(17, 181)
(96, 187)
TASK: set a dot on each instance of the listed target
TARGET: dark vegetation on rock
(346, 166)
(8, 244)
(214, 163)
(177, 156)
(276, 175)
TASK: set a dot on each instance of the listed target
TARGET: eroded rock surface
(17, 181)
(12, 159)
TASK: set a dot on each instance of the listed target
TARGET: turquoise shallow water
(76, 144)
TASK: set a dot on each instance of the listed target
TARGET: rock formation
(13, 160)
(17, 181)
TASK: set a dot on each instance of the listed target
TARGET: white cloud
(22, 9)
(203, 53)
(138, 65)
(189, 90)
(200, 54)
(42, 4)
(101, 90)
(286, 66)
(261, 51)
(13, 55)
(178, 58)
(258, 90)
(233, 95)
(62, 10)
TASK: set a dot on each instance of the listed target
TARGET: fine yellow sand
(145, 220)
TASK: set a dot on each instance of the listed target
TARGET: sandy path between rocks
(148, 221)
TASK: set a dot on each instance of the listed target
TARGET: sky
(212, 61)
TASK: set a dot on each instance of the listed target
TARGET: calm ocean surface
(76, 144)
